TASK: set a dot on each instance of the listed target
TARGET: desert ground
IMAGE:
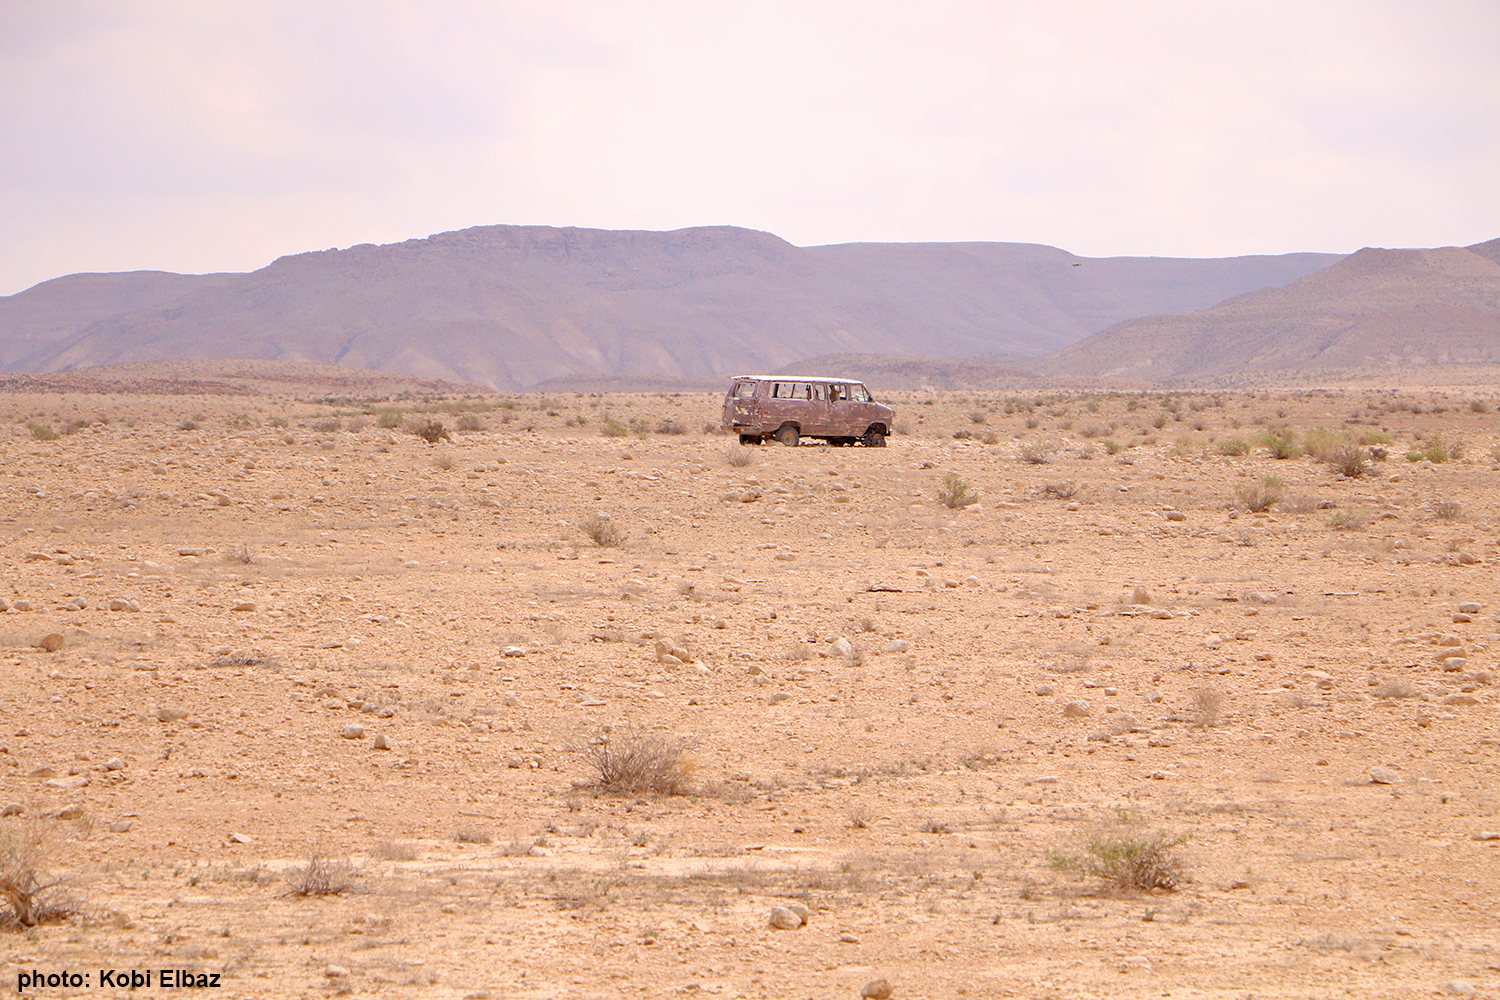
(256, 646)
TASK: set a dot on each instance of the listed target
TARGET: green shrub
(42, 432)
(1281, 443)
(1235, 446)
(955, 492)
(612, 428)
(1262, 496)
(1124, 858)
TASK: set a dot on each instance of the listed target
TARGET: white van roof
(801, 378)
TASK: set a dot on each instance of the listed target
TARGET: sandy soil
(299, 569)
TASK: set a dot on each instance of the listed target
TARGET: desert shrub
(639, 427)
(1160, 420)
(1125, 858)
(602, 531)
(739, 456)
(1262, 496)
(1478, 406)
(390, 850)
(1281, 443)
(1395, 689)
(962, 435)
(328, 425)
(978, 417)
(1038, 452)
(444, 462)
(468, 423)
(1349, 461)
(1320, 442)
(1032, 423)
(389, 418)
(28, 896)
(632, 763)
(955, 492)
(1094, 431)
(1236, 447)
(322, 877)
(1113, 447)
(612, 428)
(1374, 437)
(1345, 521)
(1436, 450)
(430, 429)
(74, 426)
(674, 427)
(1300, 505)
(42, 432)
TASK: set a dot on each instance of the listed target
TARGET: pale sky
(213, 135)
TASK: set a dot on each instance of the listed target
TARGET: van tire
(873, 438)
(749, 439)
(788, 436)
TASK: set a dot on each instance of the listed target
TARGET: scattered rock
(12, 809)
(1470, 608)
(241, 838)
(1481, 835)
(121, 826)
(802, 912)
(1043, 690)
(1461, 700)
(22, 606)
(847, 938)
(114, 764)
(336, 972)
(1384, 776)
(68, 784)
(1460, 988)
(784, 919)
(842, 647)
(512, 651)
(4, 604)
(1459, 618)
(1453, 664)
(1258, 597)
(171, 714)
(123, 604)
(353, 732)
(1077, 710)
(77, 604)
(539, 852)
(244, 606)
(52, 643)
(384, 742)
(670, 652)
(1176, 515)
(71, 811)
(895, 646)
(877, 989)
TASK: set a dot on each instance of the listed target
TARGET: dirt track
(443, 596)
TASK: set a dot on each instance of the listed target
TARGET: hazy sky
(202, 135)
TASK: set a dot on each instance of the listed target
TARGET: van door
(741, 405)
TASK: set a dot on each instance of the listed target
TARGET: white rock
(1384, 776)
(784, 919)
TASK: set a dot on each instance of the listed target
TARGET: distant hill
(512, 306)
(1374, 308)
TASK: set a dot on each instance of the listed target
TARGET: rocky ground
(256, 644)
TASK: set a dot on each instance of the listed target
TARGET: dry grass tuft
(1262, 496)
(472, 835)
(1206, 704)
(322, 877)
(430, 429)
(1038, 452)
(1349, 461)
(955, 492)
(391, 850)
(739, 456)
(633, 763)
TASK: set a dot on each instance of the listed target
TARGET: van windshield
(859, 394)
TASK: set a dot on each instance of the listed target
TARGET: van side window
(818, 393)
(802, 391)
(860, 395)
(743, 389)
(836, 393)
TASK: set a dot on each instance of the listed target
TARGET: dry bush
(1236, 447)
(1300, 505)
(322, 877)
(1206, 704)
(672, 427)
(1436, 450)
(612, 428)
(1124, 858)
(29, 898)
(1038, 452)
(739, 456)
(472, 835)
(860, 818)
(978, 416)
(468, 423)
(1447, 510)
(1262, 496)
(1349, 461)
(390, 850)
(602, 531)
(1347, 521)
(1321, 443)
(1395, 689)
(328, 425)
(1060, 491)
(632, 763)
(444, 462)
(955, 492)
(1281, 443)
(430, 429)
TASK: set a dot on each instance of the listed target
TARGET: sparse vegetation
(472, 835)
(1060, 491)
(28, 896)
(602, 531)
(1349, 461)
(672, 427)
(1447, 510)
(739, 456)
(612, 428)
(468, 423)
(632, 763)
(389, 418)
(1235, 447)
(430, 429)
(1436, 450)
(42, 432)
(955, 492)
(1281, 443)
(1039, 452)
(1204, 705)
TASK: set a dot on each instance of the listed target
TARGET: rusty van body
(788, 408)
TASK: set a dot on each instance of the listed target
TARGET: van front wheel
(788, 436)
(873, 438)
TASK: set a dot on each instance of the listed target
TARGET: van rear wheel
(788, 436)
(749, 439)
(873, 438)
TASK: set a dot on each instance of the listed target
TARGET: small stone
(784, 919)
(1461, 700)
(12, 809)
(1043, 690)
(1176, 515)
(114, 764)
(512, 651)
(877, 989)
(384, 742)
(847, 938)
(52, 643)
(1460, 988)
(121, 826)
(354, 732)
(1462, 619)
(70, 811)
(842, 647)
(244, 606)
(22, 605)
(669, 651)
(539, 852)
(241, 838)
(1077, 710)
(4, 604)
(1259, 597)
(336, 972)
(802, 912)
(1481, 835)
(1453, 664)
(1470, 608)
(68, 784)
(1384, 776)
(895, 646)
(171, 714)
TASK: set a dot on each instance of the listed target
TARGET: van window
(860, 394)
(743, 389)
(837, 392)
(792, 390)
(819, 392)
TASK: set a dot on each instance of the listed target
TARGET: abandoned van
(792, 407)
